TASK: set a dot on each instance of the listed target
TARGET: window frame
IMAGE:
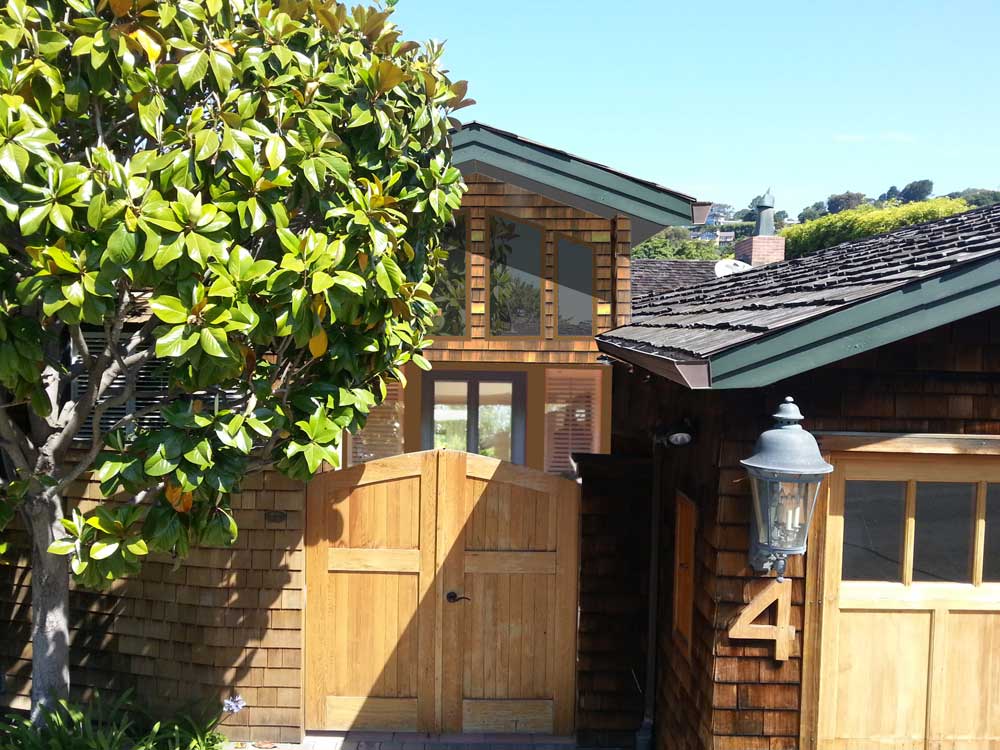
(557, 236)
(518, 381)
(912, 469)
(488, 276)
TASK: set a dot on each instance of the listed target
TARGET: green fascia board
(915, 308)
(629, 196)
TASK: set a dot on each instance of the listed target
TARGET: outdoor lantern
(786, 471)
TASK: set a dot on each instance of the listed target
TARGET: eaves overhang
(572, 180)
(957, 293)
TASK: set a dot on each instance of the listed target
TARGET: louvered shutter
(572, 416)
(382, 435)
(152, 384)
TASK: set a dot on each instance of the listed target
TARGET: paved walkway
(410, 741)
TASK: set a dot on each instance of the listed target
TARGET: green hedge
(864, 221)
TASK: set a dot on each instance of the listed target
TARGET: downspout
(644, 735)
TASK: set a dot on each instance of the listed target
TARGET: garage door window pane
(991, 556)
(943, 542)
(873, 531)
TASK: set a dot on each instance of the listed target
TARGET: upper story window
(575, 288)
(449, 287)
(515, 278)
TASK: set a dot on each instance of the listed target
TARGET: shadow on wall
(222, 621)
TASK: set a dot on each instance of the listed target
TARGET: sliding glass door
(478, 412)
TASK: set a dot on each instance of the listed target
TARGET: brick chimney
(764, 246)
(758, 250)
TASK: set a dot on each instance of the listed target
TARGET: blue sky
(723, 99)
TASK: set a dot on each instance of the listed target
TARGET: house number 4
(778, 593)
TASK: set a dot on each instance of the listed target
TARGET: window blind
(382, 435)
(572, 416)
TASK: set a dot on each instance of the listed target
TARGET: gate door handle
(453, 597)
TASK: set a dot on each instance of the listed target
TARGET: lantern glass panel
(783, 509)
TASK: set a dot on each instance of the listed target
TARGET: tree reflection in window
(515, 278)
(575, 289)
(449, 285)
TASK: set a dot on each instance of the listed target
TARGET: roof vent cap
(729, 266)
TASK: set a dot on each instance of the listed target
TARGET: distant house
(539, 264)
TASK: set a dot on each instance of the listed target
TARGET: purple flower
(234, 705)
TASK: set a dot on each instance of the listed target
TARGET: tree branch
(15, 441)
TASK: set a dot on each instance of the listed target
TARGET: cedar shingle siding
(733, 695)
(224, 621)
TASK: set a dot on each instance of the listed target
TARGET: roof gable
(774, 321)
(571, 180)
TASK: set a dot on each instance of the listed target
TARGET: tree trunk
(49, 605)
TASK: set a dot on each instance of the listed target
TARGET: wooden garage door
(441, 596)
(910, 655)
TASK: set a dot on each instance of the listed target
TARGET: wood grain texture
(382, 560)
(365, 712)
(909, 664)
(508, 716)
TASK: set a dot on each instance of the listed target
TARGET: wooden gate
(909, 578)
(441, 596)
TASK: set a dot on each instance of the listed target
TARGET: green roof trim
(955, 294)
(478, 144)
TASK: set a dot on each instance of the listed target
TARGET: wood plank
(921, 468)
(832, 562)
(372, 472)
(494, 470)
(909, 531)
(566, 605)
(513, 716)
(452, 519)
(315, 677)
(364, 712)
(373, 560)
(909, 443)
(541, 563)
(979, 534)
(812, 628)
(427, 600)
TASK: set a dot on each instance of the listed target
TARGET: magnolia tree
(224, 196)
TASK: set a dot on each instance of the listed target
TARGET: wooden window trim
(682, 625)
(519, 402)
(487, 275)
(908, 443)
(467, 217)
(556, 237)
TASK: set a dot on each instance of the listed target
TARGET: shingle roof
(573, 180)
(658, 275)
(703, 321)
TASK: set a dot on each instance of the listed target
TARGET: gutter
(644, 735)
(692, 373)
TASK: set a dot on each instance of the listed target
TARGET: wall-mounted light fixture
(677, 434)
(786, 471)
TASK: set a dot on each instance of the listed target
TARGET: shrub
(117, 724)
(865, 221)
